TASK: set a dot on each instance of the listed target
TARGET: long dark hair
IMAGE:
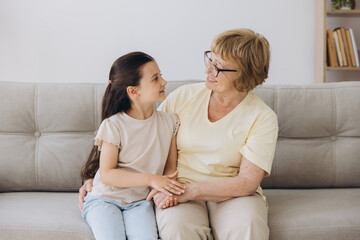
(125, 71)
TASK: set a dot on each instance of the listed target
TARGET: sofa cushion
(322, 214)
(40, 215)
(47, 131)
(319, 135)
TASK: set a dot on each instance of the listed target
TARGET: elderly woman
(226, 144)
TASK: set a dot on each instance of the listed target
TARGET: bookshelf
(325, 18)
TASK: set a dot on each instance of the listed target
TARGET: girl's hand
(166, 185)
(85, 188)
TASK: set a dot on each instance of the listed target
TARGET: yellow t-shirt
(209, 151)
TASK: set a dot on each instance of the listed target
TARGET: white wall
(78, 40)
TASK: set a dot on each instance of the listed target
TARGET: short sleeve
(176, 123)
(259, 147)
(109, 132)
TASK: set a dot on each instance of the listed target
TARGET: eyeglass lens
(208, 61)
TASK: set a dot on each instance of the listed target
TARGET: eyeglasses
(214, 69)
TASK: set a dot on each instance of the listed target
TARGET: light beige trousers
(237, 218)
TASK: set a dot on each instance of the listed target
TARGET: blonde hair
(249, 51)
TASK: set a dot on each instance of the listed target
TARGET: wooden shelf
(343, 13)
(343, 68)
(322, 14)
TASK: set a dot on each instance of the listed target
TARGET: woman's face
(224, 80)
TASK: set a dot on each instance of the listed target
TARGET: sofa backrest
(47, 132)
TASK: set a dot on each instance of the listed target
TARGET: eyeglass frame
(216, 68)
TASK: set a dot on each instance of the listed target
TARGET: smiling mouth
(211, 80)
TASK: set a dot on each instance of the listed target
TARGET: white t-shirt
(144, 147)
(209, 151)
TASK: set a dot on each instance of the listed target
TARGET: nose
(208, 69)
(164, 82)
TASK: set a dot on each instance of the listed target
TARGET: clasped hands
(160, 192)
(164, 200)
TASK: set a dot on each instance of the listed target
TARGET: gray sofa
(47, 131)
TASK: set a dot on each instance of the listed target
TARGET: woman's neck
(139, 111)
(228, 99)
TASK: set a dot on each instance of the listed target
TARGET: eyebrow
(215, 60)
(221, 64)
(154, 75)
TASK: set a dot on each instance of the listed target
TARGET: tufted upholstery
(319, 135)
(47, 131)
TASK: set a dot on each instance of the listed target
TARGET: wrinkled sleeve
(109, 132)
(260, 144)
(176, 123)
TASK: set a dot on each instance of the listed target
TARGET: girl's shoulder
(112, 121)
(170, 120)
(170, 116)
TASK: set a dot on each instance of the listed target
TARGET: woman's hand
(163, 201)
(166, 184)
(85, 188)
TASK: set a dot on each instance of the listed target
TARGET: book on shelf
(333, 62)
(351, 48)
(341, 48)
(341, 45)
(338, 52)
(355, 49)
(346, 46)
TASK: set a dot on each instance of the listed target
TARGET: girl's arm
(171, 163)
(113, 176)
(170, 169)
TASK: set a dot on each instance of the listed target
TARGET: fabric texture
(110, 220)
(42, 215)
(314, 213)
(47, 131)
(242, 218)
(144, 147)
(249, 130)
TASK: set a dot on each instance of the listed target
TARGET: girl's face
(152, 85)
(224, 81)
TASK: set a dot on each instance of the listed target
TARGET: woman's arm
(113, 176)
(245, 184)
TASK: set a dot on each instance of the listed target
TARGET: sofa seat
(314, 213)
(26, 215)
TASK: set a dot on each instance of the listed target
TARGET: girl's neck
(140, 112)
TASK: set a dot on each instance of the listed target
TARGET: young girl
(133, 146)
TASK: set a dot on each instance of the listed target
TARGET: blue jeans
(111, 220)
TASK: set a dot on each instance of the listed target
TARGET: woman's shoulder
(182, 97)
(258, 105)
(189, 90)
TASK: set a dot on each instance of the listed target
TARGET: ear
(132, 91)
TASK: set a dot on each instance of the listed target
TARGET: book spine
(346, 46)
(341, 64)
(355, 47)
(333, 62)
(341, 45)
(351, 48)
